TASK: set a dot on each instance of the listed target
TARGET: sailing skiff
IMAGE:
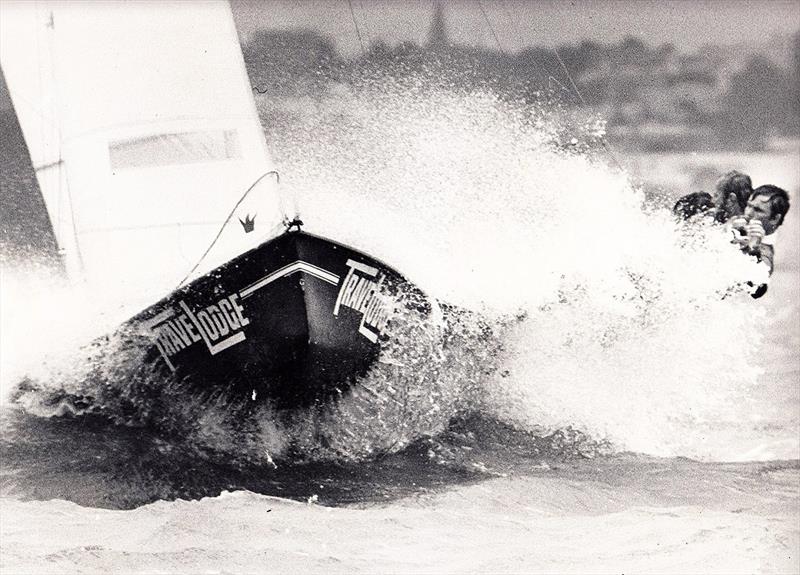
(143, 132)
(295, 321)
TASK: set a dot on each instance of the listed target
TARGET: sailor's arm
(761, 247)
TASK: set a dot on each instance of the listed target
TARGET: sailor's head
(769, 205)
(732, 191)
(692, 205)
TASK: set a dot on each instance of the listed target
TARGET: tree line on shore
(655, 98)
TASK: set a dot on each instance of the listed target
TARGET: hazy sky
(518, 23)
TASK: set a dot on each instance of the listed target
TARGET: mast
(29, 77)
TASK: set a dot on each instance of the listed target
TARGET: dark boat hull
(293, 322)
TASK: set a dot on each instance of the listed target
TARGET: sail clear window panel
(174, 149)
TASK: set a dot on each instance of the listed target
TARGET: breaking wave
(583, 314)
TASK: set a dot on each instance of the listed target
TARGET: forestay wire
(355, 24)
(228, 219)
(491, 28)
(603, 141)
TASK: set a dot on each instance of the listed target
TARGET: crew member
(731, 194)
(694, 204)
(754, 230)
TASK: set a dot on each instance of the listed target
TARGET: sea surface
(622, 405)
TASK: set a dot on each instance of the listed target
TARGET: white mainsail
(141, 126)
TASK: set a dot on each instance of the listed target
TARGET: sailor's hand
(738, 223)
(755, 233)
(738, 228)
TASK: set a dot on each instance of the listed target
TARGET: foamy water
(572, 521)
(606, 325)
(625, 334)
(608, 315)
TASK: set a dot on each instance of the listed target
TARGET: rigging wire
(363, 17)
(355, 24)
(603, 141)
(569, 76)
(62, 175)
(491, 28)
(518, 34)
(228, 219)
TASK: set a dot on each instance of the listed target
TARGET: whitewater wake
(578, 309)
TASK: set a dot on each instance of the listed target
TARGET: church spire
(437, 34)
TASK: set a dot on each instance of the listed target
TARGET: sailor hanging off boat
(750, 216)
(754, 230)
